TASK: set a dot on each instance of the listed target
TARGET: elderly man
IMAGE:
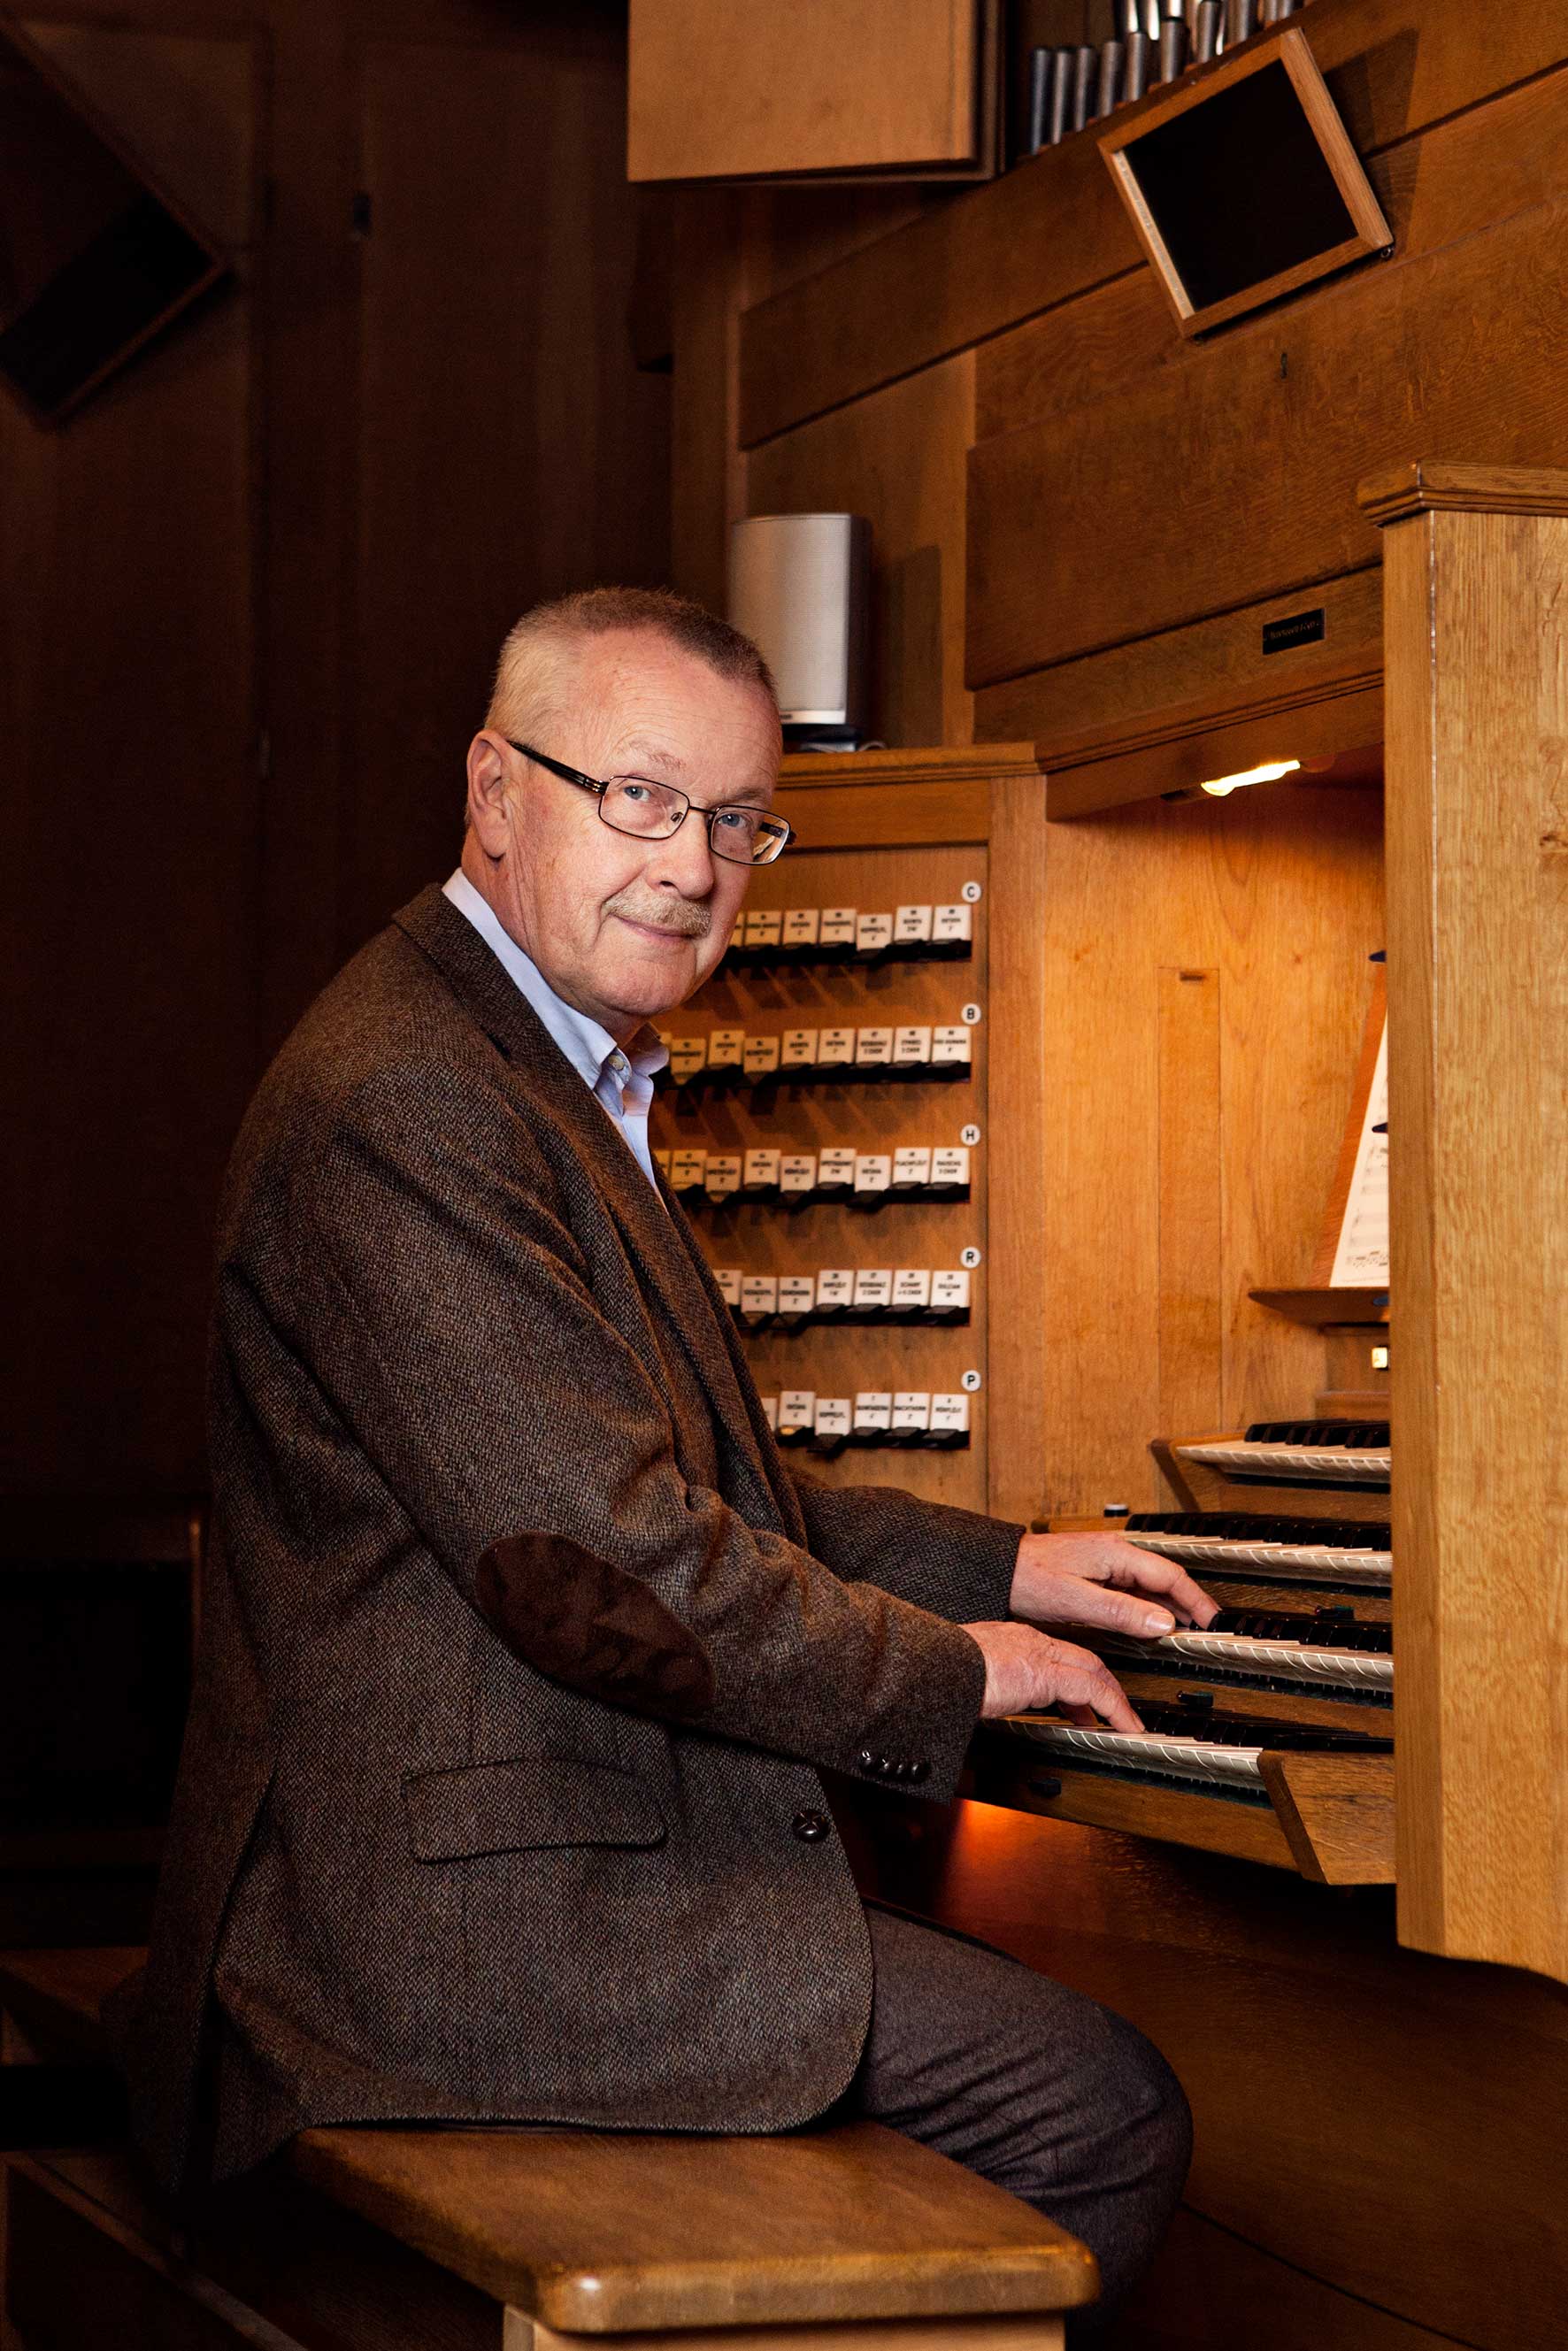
(524, 1655)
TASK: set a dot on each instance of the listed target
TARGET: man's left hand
(1104, 1581)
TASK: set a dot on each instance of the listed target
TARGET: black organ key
(1321, 1628)
(1342, 1435)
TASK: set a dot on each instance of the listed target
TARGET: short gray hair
(521, 702)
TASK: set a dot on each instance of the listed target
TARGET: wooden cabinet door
(760, 89)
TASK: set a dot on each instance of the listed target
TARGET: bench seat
(848, 2230)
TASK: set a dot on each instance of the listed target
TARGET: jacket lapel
(654, 1230)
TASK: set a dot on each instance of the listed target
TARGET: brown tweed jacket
(522, 1651)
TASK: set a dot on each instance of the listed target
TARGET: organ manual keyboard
(1268, 1730)
(1299, 1452)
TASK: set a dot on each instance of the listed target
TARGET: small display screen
(1238, 188)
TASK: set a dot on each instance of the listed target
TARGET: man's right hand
(1027, 1669)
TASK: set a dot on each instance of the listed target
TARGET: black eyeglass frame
(773, 825)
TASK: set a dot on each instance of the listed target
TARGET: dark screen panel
(1238, 188)
(91, 259)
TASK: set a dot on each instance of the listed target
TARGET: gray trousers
(1029, 2084)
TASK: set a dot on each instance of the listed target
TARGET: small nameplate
(1295, 629)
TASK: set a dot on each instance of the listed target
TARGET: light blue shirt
(621, 1078)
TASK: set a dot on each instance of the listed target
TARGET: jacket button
(811, 1827)
(920, 1770)
(866, 1760)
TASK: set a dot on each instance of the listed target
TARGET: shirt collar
(587, 1045)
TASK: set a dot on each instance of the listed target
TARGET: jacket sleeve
(955, 1563)
(446, 1311)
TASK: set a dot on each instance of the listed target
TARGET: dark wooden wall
(249, 597)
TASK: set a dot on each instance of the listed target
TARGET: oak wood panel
(1191, 1247)
(998, 255)
(756, 89)
(1460, 348)
(1018, 1113)
(1350, 2097)
(1478, 1024)
(601, 2231)
(1151, 694)
(1340, 731)
(1285, 908)
(931, 811)
(899, 459)
(1427, 486)
(1462, 176)
(1337, 1811)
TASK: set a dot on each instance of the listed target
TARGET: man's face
(623, 928)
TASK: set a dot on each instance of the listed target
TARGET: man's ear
(488, 772)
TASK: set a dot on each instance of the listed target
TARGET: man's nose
(685, 860)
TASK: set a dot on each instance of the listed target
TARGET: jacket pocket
(527, 1803)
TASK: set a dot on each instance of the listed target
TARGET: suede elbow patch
(579, 1620)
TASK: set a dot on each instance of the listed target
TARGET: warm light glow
(1269, 773)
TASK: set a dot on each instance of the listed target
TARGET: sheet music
(1361, 1260)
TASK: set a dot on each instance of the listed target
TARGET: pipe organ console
(1350, 1791)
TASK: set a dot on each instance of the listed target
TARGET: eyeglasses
(651, 811)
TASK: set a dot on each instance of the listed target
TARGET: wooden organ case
(1358, 1970)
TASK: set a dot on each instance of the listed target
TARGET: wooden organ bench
(364, 2240)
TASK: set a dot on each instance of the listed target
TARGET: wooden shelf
(1353, 1309)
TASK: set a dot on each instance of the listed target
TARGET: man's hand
(1106, 1582)
(1025, 1668)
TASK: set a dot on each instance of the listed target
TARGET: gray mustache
(682, 916)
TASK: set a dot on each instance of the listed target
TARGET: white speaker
(799, 588)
